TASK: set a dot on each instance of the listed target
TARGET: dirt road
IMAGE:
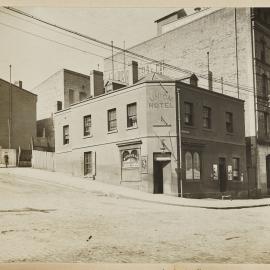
(50, 222)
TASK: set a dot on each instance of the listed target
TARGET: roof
(19, 88)
(153, 76)
(180, 12)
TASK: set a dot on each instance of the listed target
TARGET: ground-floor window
(130, 164)
(88, 166)
(235, 168)
(192, 165)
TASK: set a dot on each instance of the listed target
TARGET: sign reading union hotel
(160, 100)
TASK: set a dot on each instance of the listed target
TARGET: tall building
(17, 116)
(228, 49)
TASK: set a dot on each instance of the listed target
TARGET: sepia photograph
(135, 134)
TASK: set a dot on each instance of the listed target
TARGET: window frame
(188, 114)
(229, 129)
(236, 168)
(88, 167)
(85, 134)
(65, 135)
(264, 85)
(208, 118)
(134, 123)
(109, 121)
(69, 96)
(192, 154)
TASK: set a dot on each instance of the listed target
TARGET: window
(206, 117)
(59, 105)
(82, 96)
(88, 163)
(188, 113)
(229, 122)
(193, 166)
(71, 96)
(66, 134)
(235, 168)
(112, 121)
(263, 50)
(264, 85)
(87, 125)
(263, 123)
(132, 115)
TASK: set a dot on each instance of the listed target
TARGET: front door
(268, 172)
(222, 174)
(158, 177)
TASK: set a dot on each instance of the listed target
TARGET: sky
(36, 51)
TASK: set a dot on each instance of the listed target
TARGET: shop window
(206, 117)
(87, 125)
(188, 113)
(112, 121)
(229, 122)
(193, 166)
(88, 168)
(235, 168)
(132, 115)
(130, 159)
(66, 134)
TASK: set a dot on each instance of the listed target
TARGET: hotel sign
(160, 100)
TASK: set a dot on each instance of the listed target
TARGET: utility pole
(10, 109)
(179, 141)
(112, 62)
(125, 62)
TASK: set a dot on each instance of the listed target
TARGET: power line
(246, 88)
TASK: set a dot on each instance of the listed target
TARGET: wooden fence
(43, 160)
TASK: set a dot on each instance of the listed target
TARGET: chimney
(133, 70)
(20, 84)
(197, 9)
(210, 80)
(96, 83)
(193, 80)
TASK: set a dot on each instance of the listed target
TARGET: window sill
(208, 129)
(129, 128)
(188, 126)
(112, 131)
(229, 133)
(88, 136)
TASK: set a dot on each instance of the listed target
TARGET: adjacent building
(17, 119)
(129, 136)
(228, 49)
(58, 92)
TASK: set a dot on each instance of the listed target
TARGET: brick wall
(23, 125)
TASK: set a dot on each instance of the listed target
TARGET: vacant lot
(50, 222)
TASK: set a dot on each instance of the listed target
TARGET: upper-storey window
(264, 85)
(132, 115)
(82, 96)
(66, 134)
(207, 117)
(188, 113)
(71, 96)
(112, 121)
(263, 50)
(87, 125)
(229, 122)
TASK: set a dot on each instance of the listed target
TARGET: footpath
(127, 193)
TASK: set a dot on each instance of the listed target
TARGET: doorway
(162, 171)
(222, 174)
(268, 172)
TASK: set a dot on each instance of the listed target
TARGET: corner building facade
(129, 137)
